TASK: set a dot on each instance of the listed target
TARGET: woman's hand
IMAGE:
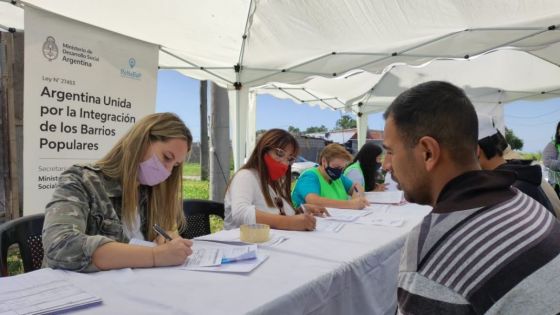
(172, 253)
(358, 202)
(381, 187)
(357, 190)
(161, 240)
(302, 222)
(315, 210)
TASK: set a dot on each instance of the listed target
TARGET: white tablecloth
(353, 271)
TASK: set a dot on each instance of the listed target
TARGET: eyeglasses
(280, 205)
(283, 155)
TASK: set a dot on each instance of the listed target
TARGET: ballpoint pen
(162, 232)
(356, 190)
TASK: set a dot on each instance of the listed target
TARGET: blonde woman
(326, 186)
(96, 209)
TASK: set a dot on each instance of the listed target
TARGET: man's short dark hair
(439, 110)
(493, 145)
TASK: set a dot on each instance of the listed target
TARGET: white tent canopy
(241, 44)
(490, 80)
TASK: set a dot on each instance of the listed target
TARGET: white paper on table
(382, 221)
(240, 266)
(238, 253)
(377, 209)
(345, 215)
(139, 242)
(39, 292)
(232, 237)
(244, 266)
(204, 257)
(328, 226)
(387, 197)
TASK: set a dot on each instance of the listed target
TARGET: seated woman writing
(96, 209)
(326, 186)
(364, 170)
(260, 191)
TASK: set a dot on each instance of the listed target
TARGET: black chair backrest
(197, 212)
(27, 233)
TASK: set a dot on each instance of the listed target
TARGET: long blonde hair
(165, 205)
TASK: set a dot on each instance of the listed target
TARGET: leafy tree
(315, 129)
(293, 130)
(346, 122)
(513, 140)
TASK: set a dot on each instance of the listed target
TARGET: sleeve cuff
(91, 244)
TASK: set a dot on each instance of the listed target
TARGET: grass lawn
(191, 169)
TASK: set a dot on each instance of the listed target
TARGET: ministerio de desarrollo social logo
(50, 49)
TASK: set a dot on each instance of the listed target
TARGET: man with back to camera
(491, 144)
(485, 247)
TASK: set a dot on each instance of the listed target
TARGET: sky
(533, 122)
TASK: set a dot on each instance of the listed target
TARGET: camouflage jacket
(85, 213)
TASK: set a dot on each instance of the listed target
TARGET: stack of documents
(387, 197)
(382, 221)
(233, 237)
(324, 225)
(208, 256)
(345, 215)
(44, 291)
(218, 256)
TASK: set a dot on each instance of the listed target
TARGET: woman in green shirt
(325, 185)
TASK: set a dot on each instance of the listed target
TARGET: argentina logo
(50, 49)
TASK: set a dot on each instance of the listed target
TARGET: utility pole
(219, 143)
(11, 124)
(204, 130)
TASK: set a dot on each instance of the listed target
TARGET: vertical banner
(84, 87)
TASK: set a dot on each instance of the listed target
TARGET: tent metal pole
(291, 95)
(352, 53)
(193, 68)
(290, 71)
(252, 9)
(536, 28)
(512, 41)
(195, 65)
(545, 59)
(289, 68)
(9, 29)
(403, 51)
(276, 88)
(321, 100)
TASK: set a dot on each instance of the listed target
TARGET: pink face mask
(152, 172)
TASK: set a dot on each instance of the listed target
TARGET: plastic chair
(197, 213)
(27, 233)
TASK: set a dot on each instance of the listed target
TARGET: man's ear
(431, 152)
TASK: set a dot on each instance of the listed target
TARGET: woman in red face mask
(260, 191)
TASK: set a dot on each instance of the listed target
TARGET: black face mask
(334, 173)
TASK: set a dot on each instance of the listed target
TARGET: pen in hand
(356, 190)
(162, 232)
(322, 213)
